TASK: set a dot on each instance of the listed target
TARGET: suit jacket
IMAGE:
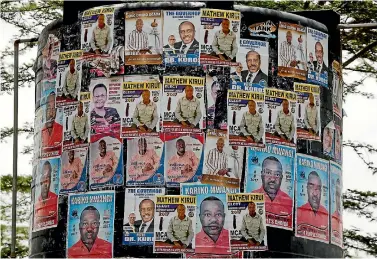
(149, 229)
(168, 49)
(194, 47)
(136, 227)
(323, 68)
(260, 76)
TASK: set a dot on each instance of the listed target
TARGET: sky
(360, 125)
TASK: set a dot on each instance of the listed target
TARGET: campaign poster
(271, 171)
(248, 231)
(246, 119)
(74, 170)
(142, 99)
(76, 120)
(338, 140)
(145, 161)
(219, 36)
(90, 225)
(280, 116)
(106, 162)
(37, 141)
(106, 106)
(336, 187)
(200, 188)
(309, 111)
(292, 50)
(174, 230)
(217, 84)
(183, 104)
(181, 38)
(328, 139)
(223, 163)
(139, 216)
(46, 195)
(317, 55)
(97, 31)
(50, 56)
(143, 36)
(312, 201)
(48, 91)
(237, 254)
(337, 84)
(265, 29)
(68, 80)
(183, 158)
(252, 63)
(212, 225)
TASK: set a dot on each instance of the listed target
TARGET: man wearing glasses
(146, 209)
(89, 245)
(277, 202)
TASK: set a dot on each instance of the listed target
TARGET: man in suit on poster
(188, 43)
(254, 74)
(146, 209)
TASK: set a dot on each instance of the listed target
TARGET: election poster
(338, 140)
(317, 54)
(143, 36)
(337, 84)
(105, 106)
(76, 120)
(309, 111)
(183, 158)
(312, 201)
(46, 195)
(74, 169)
(271, 171)
(50, 56)
(142, 98)
(200, 188)
(145, 161)
(248, 231)
(328, 139)
(292, 50)
(219, 36)
(246, 120)
(90, 225)
(223, 163)
(252, 63)
(217, 84)
(175, 226)
(181, 35)
(237, 254)
(68, 80)
(48, 91)
(38, 124)
(280, 116)
(336, 187)
(139, 216)
(52, 130)
(97, 31)
(183, 104)
(106, 162)
(212, 225)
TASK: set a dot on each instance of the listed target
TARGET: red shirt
(53, 139)
(204, 244)
(280, 206)
(336, 225)
(306, 216)
(46, 210)
(100, 249)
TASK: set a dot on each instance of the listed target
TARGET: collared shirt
(285, 124)
(55, 138)
(147, 224)
(188, 110)
(287, 54)
(216, 161)
(71, 173)
(109, 112)
(100, 249)
(71, 86)
(104, 167)
(80, 127)
(145, 114)
(281, 206)
(46, 210)
(138, 162)
(101, 38)
(311, 115)
(187, 47)
(205, 245)
(252, 125)
(306, 216)
(251, 76)
(137, 40)
(180, 230)
(177, 163)
(225, 44)
(253, 227)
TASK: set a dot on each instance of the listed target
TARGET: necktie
(142, 228)
(319, 68)
(184, 46)
(249, 78)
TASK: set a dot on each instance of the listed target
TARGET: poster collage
(150, 132)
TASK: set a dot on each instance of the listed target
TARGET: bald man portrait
(217, 160)
(138, 39)
(188, 43)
